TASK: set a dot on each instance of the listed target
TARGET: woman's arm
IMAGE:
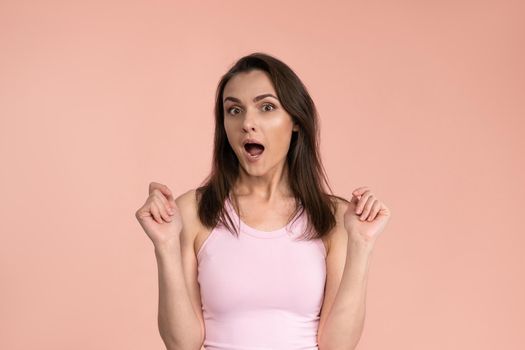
(171, 224)
(363, 220)
(178, 325)
(180, 320)
(344, 323)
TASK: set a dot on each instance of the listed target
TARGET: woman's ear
(295, 127)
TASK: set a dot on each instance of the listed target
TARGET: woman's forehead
(247, 85)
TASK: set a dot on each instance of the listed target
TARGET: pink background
(423, 101)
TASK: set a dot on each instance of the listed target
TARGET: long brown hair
(305, 169)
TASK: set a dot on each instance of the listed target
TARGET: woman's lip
(251, 158)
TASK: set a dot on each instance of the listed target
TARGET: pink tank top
(263, 290)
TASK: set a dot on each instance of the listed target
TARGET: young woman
(261, 256)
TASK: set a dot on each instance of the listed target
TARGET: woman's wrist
(360, 246)
(167, 247)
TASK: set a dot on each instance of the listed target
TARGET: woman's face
(253, 111)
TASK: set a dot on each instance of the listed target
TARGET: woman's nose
(249, 120)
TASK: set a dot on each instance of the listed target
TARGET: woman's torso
(263, 290)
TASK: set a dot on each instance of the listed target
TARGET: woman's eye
(229, 110)
(269, 104)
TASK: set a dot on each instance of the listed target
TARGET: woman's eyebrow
(257, 98)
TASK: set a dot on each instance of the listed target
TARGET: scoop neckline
(260, 233)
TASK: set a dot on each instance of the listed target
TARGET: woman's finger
(368, 205)
(167, 205)
(362, 202)
(169, 195)
(360, 190)
(161, 203)
(162, 189)
(375, 209)
(154, 210)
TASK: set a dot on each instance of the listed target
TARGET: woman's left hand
(365, 217)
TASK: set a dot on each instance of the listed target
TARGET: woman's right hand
(159, 216)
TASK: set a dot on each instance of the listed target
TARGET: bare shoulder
(187, 204)
(187, 201)
(338, 234)
(193, 231)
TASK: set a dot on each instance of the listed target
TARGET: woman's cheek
(280, 147)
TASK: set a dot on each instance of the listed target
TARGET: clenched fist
(159, 216)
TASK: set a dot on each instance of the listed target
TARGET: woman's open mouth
(253, 151)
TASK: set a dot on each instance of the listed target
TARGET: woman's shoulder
(340, 204)
(338, 233)
(187, 202)
(194, 230)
